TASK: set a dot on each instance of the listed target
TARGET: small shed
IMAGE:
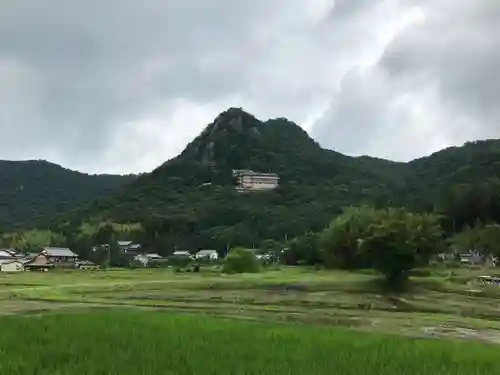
(12, 266)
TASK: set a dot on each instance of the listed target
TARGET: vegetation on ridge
(190, 202)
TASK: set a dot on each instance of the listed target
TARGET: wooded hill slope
(33, 192)
(177, 207)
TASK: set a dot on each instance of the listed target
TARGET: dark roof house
(59, 255)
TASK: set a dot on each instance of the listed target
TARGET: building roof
(182, 253)
(39, 261)
(58, 252)
(10, 251)
(5, 254)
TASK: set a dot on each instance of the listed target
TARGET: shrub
(240, 260)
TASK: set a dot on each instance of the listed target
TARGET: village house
(248, 180)
(8, 254)
(59, 255)
(149, 259)
(11, 266)
(129, 246)
(209, 255)
(40, 263)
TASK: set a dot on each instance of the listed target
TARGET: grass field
(138, 342)
(295, 319)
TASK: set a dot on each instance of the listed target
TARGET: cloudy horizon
(122, 86)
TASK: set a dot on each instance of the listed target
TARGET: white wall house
(248, 180)
(207, 255)
(12, 266)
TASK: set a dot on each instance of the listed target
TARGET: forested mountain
(36, 191)
(190, 201)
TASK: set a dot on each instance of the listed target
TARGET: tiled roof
(58, 252)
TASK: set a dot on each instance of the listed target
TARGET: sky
(120, 86)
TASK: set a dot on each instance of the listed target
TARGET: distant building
(182, 253)
(40, 263)
(129, 246)
(207, 255)
(7, 254)
(59, 255)
(248, 180)
(150, 259)
(11, 266)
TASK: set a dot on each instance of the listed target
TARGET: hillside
(191, 200)
(34, 191)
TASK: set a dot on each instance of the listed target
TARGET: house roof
(40, 261)
(58, 252)
(182, 253)
(10, 251)
(5, 254)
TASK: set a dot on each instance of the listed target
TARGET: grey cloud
(88, 59)
(102, 85)
(447, 65)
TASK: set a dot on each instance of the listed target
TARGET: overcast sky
(120, 86)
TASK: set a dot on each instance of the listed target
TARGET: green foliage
(181, 261)
(100, 342)
(393, 241)
(38, 192)
(240, 260)
(341, 240)
(399, 241)
(303, 250)
(190, 201)
(481, 238)
(31, 241)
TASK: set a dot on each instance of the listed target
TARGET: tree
(393, 241)
(399, 241)
(240, 260)
(340, 241)
(303, 250)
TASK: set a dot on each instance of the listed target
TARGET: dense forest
(190, 201)
(33, 191)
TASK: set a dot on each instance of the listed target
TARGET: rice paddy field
(139, 342)
(289, 321)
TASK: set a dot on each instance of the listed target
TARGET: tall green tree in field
(304, 249)
(393, 241)
(341, 240)
(400, 241)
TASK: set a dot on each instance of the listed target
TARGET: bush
(240, 260)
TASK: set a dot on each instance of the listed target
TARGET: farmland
(281, 321)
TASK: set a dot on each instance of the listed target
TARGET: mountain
(33, 191)
(190, 201)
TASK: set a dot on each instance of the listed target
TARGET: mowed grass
(149, 342)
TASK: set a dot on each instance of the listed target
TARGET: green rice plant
(132, 342)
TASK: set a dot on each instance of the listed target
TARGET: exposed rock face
(227, 127)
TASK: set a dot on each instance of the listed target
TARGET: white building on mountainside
(248, 180)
